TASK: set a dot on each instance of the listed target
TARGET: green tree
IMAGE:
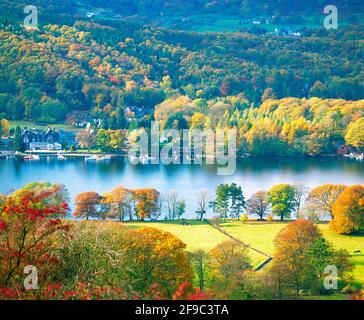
(181, 208)
(237, 201)
(221, 203)
(283, 200)
(322, 254)
(18, 141)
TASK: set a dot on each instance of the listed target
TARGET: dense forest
(123, 72)
(243, 7)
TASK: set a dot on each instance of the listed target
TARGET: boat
(97, 158)
(31, 158)
(103, 158)
(91, 158)
(61, 157)
(360, 157)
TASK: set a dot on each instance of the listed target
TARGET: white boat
(61, 157)
(91, 158)
(97, 158)
(32, 158)
(360, 157)
(103, 158)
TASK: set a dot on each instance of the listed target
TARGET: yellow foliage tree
(348, 211)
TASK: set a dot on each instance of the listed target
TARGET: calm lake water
(252, 174)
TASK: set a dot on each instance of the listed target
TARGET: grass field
(215, 22)
(197, 235)
(31, 124)
(261, 235)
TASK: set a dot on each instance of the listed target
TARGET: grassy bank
(261, 235)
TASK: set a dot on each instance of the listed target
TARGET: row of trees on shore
(343, 205)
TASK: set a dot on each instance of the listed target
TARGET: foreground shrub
(29, 222)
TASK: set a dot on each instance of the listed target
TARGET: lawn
(261, 235)
(31, 124)
(197, 235)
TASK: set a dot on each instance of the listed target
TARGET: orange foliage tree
(155, 256)
(118, 202)
(290, 260)
(86, 205)
(348, 211)
(146, 202)
(229, 261)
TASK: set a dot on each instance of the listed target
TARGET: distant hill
(108, 65)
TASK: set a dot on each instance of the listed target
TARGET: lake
(252, 174)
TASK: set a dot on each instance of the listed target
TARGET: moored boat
(97, 158)
(31, 158)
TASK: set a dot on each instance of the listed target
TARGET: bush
(349, 289)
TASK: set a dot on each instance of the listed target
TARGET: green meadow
(260, 235)
(32, 124)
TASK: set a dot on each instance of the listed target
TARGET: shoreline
(49, 153)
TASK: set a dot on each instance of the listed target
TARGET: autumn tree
(86, 138)
(29, 220)
(90, 253)
(258, 204)
(355, 134)
(283, 200)
(321, 199)
(348, 211)
(301, 256)
(5, 127)
(118, 202)
(87, 205)
(268, 94)
(228, 261)
(110, 140)
(146, 202)
(154, 256)
(292, 244)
